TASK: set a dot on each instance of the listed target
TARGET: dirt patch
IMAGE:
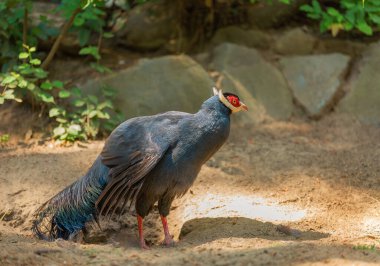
(279, 193)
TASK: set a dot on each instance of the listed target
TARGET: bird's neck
(215, 106)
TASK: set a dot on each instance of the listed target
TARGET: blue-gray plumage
(145, 160)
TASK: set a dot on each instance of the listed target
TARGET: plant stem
(57, 42)
(100, 39)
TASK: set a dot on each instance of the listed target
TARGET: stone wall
(277, 74)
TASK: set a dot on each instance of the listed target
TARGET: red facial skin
(233, 100)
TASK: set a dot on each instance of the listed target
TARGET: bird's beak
(243, 106)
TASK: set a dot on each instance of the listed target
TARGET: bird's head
(231, 101)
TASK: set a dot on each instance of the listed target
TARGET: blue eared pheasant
(145, 160)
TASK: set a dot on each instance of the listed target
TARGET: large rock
(315, 79)
(267, 14)
(250, 38)
(148, 27)
(363, 98)
(344, 46)
(295, 41)
(247, 73)
(158, 85)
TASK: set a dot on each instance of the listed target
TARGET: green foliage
(77, 116)
(4, 138)
(351, 14)
(93, 51)
(84, 115)
(25, 78)
(90, 20)
(12, 14)
(365, 247)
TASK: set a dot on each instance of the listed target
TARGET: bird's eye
(234, 101)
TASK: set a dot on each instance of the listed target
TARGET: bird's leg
(143, 245)
(168, 238)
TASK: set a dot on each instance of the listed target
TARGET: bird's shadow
(202, 230)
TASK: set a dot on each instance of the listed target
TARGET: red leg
(143, 245)
(168, 238)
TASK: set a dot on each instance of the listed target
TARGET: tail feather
(66, 213)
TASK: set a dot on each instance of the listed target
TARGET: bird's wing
(131, 152)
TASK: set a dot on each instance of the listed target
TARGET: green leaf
(333, 12)
(31, 86)
(61, 120)
(8, 79)
(93, 113)
(54, 112)
(90, 50)
(59, 131)
(104, 105)
(364, 27)
(307, 8)
(35, 62)
(8, 92)
(46, 97)
(108, 92)
(40, 73)
(350, 16)
(108, 35)
(63, 136)
(74, 129)
(8, 95)
(79, 21)
(348, 26)
(93, 99)
(76, 92)
(23, 55)
(57, 84)
(2, 99)
(23, 83)
(79, 103)
(374, 18)
(64, 94)
(13, 84)
(32, 49)
(100, 68)
(84, 36)
(103, 115)
(46, 85)
(4, 138)
(317, 7)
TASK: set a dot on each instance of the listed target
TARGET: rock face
(148, 27)
(237, 35)
(246, 73)
(157, 85)
(266, 14)
(295, 41)
(315, 79)
(363, 98)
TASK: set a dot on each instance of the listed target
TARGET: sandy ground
(279, 193)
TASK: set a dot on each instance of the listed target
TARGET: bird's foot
(168, 241)
(143, 245)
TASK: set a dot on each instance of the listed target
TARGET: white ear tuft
(215, 90)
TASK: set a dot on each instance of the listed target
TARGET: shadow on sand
(225, 227)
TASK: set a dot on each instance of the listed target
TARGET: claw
(143, 245)
(168, 241)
